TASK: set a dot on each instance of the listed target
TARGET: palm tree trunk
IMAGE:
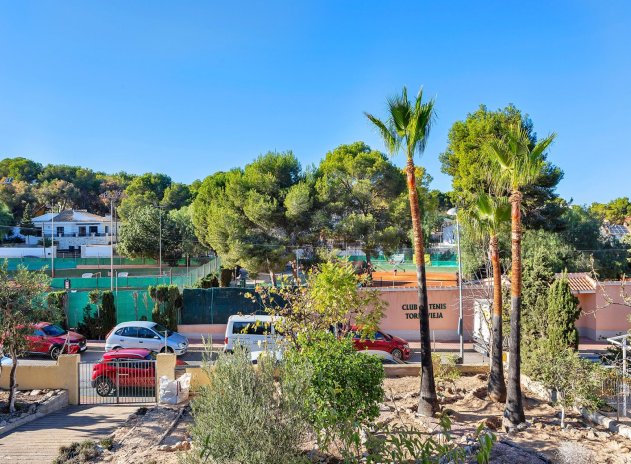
(497, 386)
(428, 402)
(514, 410)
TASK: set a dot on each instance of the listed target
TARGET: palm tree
(519, 164)
(408, 127)
(486, 218)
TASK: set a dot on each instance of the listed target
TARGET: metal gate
(118, 381)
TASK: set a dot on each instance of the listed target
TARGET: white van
(254, 332)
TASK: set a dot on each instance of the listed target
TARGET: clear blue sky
(189, 88)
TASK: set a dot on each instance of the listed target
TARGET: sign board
(435, 310)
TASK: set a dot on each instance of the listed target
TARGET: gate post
(68, 373)
(165, 366)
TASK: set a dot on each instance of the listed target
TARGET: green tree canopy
(360, 187)
(468, 163)
(616, 211)
(249, 216)
(139, 237)
(145, 190)
(20, 169)
(563, 312)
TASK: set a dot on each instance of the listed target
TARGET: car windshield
(53, 330)
(161, 329)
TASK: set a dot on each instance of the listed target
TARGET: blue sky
(189, 88)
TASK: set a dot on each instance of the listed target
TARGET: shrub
(248, 416)
(96, 324)
(445, 367)
(168, 302)
(344, 392)
(77, 453)
(208, 281)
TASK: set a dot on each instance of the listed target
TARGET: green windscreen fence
(130, 306)
(216, 305)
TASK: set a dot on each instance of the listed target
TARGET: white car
(146, 334)
(254, 332)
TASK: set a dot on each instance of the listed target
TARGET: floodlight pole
(52, 240)
(454, 212)
(112, 196)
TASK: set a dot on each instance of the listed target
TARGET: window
(161, 329)
(379, 336)
(53, 330)
(251, 328)
(60, 231)
(82, 232)
(38, 333)
(144, 332)
(130, 332)
(94, 229)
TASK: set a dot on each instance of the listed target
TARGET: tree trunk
(514, 410)
(272, 278)
(428, 402)
(12, 382)
(497, 386)
(294, 271)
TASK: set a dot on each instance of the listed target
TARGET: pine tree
(563, 311)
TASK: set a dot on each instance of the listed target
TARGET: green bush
(344, 393)
(248, 416)
(97, 323)
(168, 302)
(208, 281)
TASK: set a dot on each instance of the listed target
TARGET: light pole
(160, 237)
(454, 212)
(52, 240)
(111, 196)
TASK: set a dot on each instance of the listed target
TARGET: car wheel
(103, 386)
(55, 351)
(116, 348)
(166, 349)
(397, 353)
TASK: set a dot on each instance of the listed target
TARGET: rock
(493, 422)
(3, 423)
(481, 377)
(183, 446)
(538, 425)
(32, 408)
(603, 435)
(591, 435)
(35, 392)
(164, 448)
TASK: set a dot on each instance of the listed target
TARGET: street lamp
(52, 240)
(111, 196)
(160, 207)
(454, 212)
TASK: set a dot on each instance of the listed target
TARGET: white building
(75, 228)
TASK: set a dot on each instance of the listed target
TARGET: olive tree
(21, 300)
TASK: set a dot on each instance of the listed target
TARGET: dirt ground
(25, 402)
(151, 435)
(466, 398)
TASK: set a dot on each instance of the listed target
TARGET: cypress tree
(563, 311)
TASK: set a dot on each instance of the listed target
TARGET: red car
(396, 346)
(132, 368)
(50, 339)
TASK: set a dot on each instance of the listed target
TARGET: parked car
(397, 347)
(52, 340)
(254, 332)
(146, 334)
(130, 368)
(386, 358)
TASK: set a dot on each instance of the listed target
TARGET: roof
(617, 229)
(71, 215)
(580, 282)
(127, 353)
(148, 324)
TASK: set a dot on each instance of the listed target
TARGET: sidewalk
(38, 442)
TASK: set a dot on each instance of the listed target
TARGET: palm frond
(390, 139)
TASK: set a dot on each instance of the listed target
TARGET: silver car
(146, 334)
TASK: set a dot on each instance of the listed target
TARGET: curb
(52, 404)
(611, 424)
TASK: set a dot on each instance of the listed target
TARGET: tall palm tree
(487, 217)
(519, 164)
(407, 128)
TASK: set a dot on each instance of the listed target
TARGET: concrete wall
(96, 251)
(604, 313)
(62, 375)
(21, 252)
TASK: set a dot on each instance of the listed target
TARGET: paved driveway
(38, 442)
